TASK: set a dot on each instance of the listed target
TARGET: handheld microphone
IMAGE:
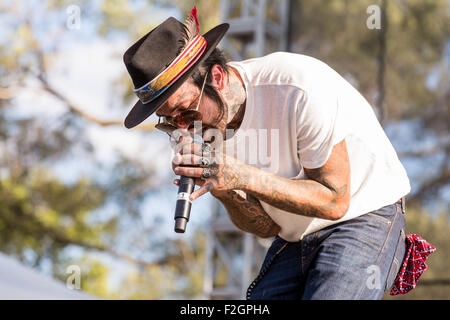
(183, 207)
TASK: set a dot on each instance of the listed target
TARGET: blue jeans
(355, 259)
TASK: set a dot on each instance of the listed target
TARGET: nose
(180, 122)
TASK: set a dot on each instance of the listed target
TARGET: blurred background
(78, 189)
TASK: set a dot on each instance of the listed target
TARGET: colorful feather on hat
(194, 17)
(191, 27)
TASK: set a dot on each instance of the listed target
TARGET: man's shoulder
(280, 56)
(284, 68)
(282, 59)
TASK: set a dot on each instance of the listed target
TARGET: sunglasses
(169, 124)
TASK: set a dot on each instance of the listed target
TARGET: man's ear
(217, 77)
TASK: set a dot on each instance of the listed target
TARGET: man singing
(330, 191)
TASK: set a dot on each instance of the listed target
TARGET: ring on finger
(204, 161)
(206, 149)
(206, 173)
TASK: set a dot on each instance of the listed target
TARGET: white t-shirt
(297, 109)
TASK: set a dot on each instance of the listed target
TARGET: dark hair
(216, 57)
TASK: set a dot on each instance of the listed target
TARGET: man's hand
(227, 176)
(194, 160)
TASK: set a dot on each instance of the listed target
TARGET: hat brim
(141, 111)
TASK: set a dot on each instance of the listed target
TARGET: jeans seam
(395, 261)
(388, 234)
(304, 253)
(263, 271)
(314, 241)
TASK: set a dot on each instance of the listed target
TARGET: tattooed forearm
(247, 213)
(325, 194)
(304, 197)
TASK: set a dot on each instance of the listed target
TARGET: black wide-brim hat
(153, 53)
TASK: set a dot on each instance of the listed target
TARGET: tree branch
(46, 86)
(381, 60)
(73, 108)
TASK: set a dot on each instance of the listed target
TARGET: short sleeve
(318, 127)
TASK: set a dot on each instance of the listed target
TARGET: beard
(218, 113)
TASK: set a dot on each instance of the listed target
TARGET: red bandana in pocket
(413, 266)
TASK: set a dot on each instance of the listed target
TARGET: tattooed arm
(247, 213)
(326, 194)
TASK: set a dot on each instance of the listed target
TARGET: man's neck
(235, 123)
(235, 98)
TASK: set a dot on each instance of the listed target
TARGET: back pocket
(397, 261)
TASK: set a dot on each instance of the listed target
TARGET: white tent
(18, 282)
